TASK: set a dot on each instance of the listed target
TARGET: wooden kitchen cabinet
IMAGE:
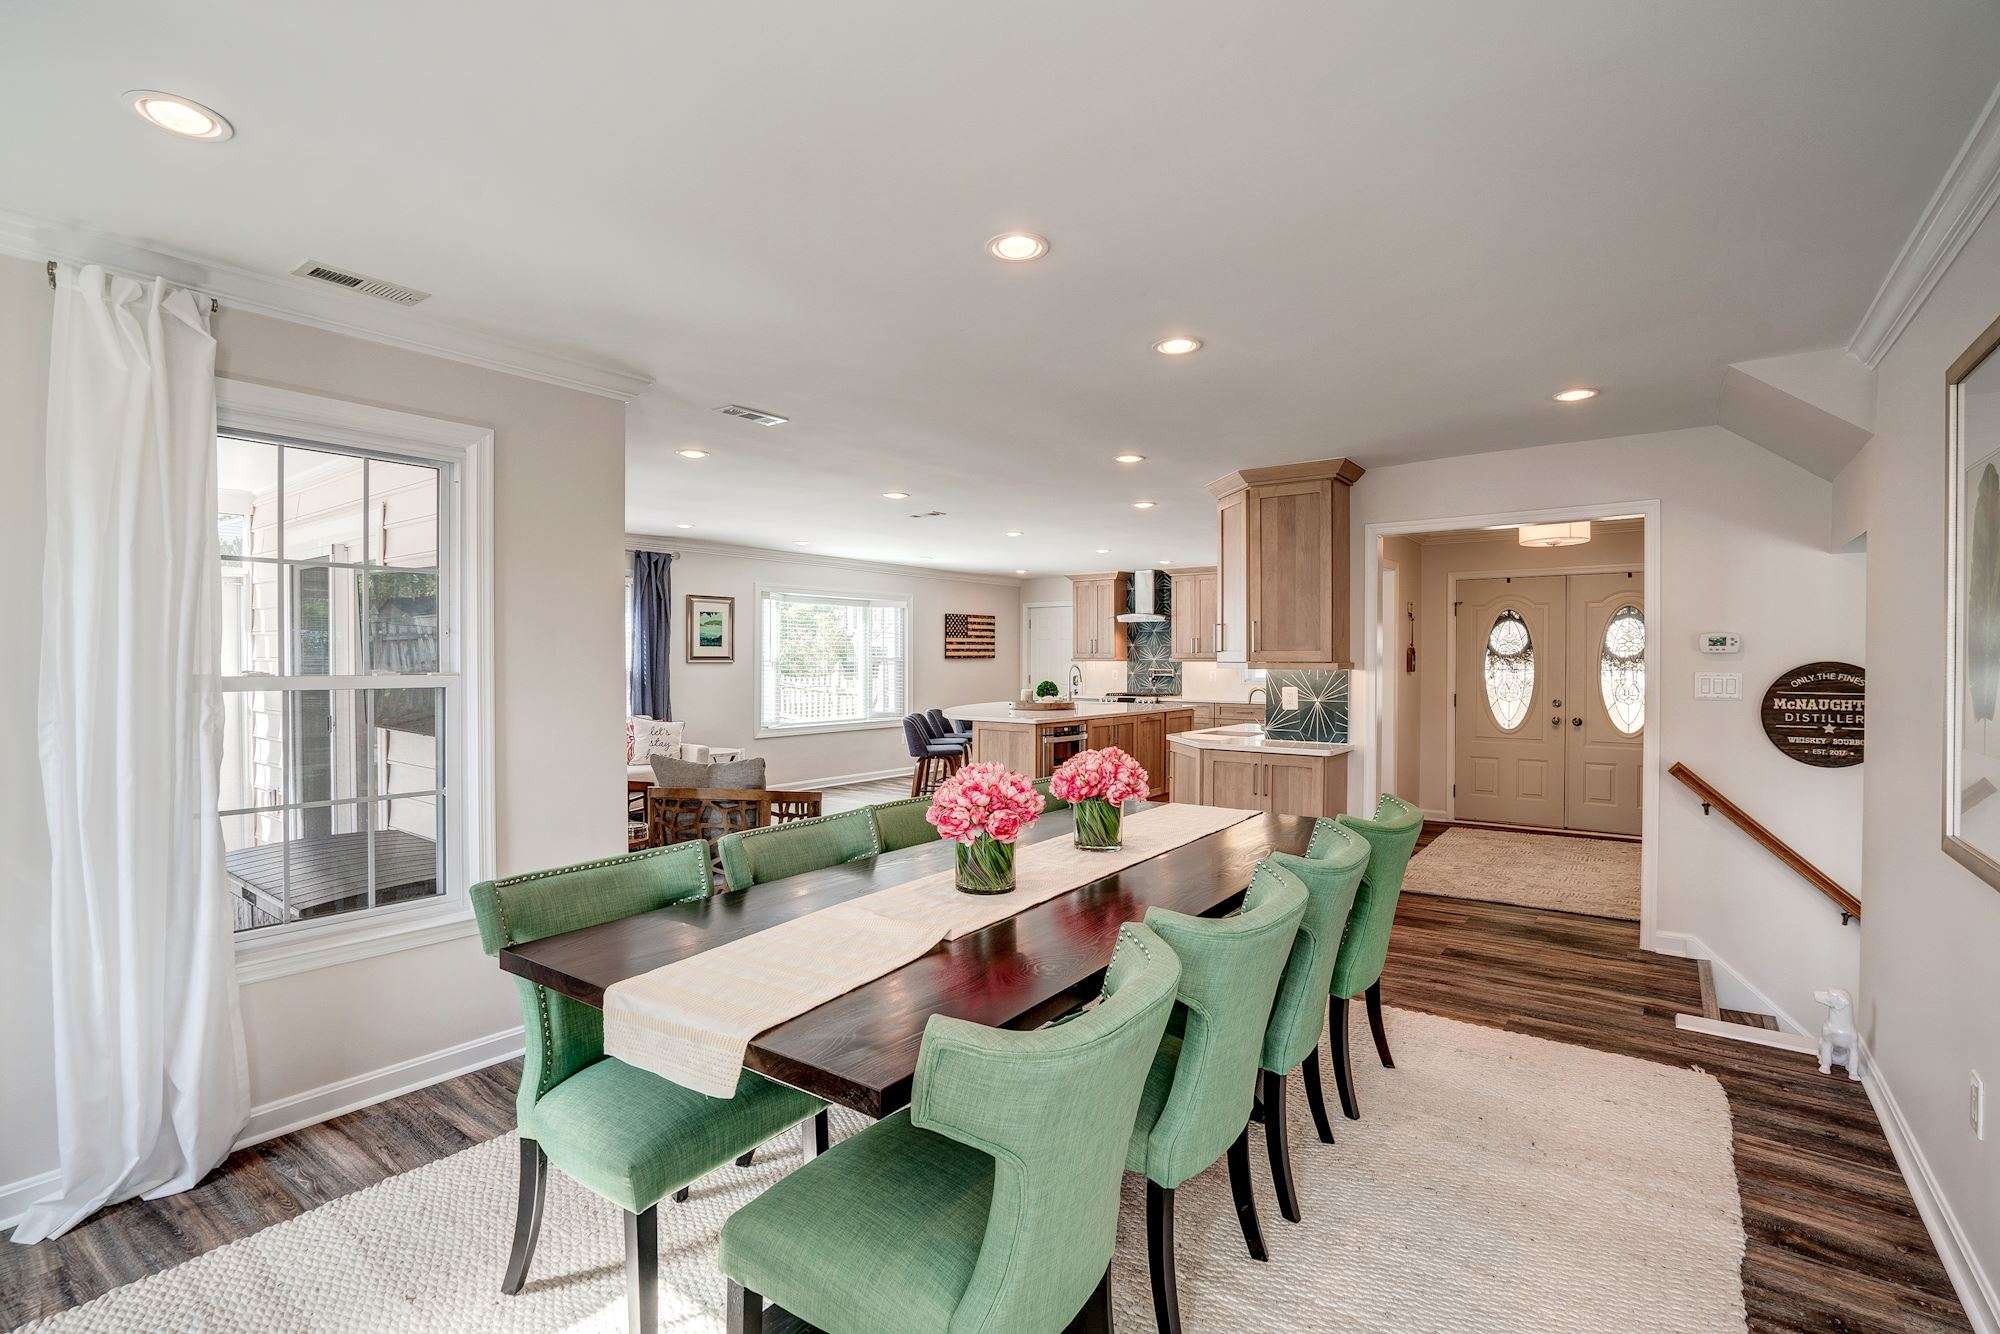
(1195, 615)
(1283, 535)
(1095, 602)
(1227, 715)
(1184, 770)
(1119, 732)
(1292, 784)
(1235, 781)
(1313, 785)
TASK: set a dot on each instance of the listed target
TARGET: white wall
(717, 701)
(1930, 984)
(559, 468)
(1503, 551)
(1745, 548)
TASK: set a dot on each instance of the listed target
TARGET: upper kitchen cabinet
(1095, 602)
(1282, 575)
(1195, 615)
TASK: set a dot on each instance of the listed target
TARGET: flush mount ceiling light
(1104, 551)
(1177, 346)
(1555, 534)
(1017, 247)
(1128, 458)
(1013, 532)
(177, 115)
(683, 525)
(1577, 395)
(1143, 504)
(692, 453)
(895, 495)
(1020, 572)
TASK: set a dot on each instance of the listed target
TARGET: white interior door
(1390, 649)
(1604, 722)
(1049, 643)
(1508, 696)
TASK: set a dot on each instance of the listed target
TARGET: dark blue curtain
(652, 647)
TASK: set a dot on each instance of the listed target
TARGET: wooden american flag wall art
(969, 634)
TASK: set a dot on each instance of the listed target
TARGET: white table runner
(692, 1020)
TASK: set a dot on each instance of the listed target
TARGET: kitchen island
(1035, 741)
(1241, 767)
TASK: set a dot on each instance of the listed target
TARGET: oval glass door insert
(1621, 671)
(1510, 670)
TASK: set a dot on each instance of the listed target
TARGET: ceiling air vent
(394, 293)
(752, 415)
(929, 514)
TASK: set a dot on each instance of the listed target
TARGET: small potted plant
(1097, 784)
(983, 808)
(1046, 690)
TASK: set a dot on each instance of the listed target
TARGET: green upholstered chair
(1050, 801)
(629, 1135)
(759, 856)
(1198, 1096)
(991, 1203)
(1392, 837)
(901, 824)
(1291, 1041)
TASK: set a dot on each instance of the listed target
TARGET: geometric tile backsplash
(1321, 714)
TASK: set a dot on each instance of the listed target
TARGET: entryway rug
(1495, 1182)
(1598, 876)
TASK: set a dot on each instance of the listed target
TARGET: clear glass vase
(985, 866)
(1099, 825)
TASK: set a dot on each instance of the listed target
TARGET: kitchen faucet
(1255, 691)
(1075, 680)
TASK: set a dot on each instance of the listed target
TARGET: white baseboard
(1689, 946)
(1975, 1288)
(837, 780)
(284, 1115)
(1762, 1037)
(287, 1114)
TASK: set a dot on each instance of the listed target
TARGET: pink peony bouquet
(1100, 775)
(988, 799)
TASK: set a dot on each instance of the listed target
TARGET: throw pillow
(671, 772)
(737, 773)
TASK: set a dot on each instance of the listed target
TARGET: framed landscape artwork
(711, 628)
(1972, 615)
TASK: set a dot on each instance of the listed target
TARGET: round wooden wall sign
(1817, 713)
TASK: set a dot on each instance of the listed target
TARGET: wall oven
(1059, 744)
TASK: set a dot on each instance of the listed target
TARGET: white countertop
(1002, 711)
(1250, 737)
(1189, 700)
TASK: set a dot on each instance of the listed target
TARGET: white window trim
(262, 409)
(760, 592)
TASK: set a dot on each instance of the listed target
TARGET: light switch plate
(1718, 685)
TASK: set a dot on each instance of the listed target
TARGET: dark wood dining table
(860, 1049)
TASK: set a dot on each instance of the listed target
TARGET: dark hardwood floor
(1834, 1240)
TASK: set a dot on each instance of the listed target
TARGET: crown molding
(1968, 190)
(675, 546)
(296, 301)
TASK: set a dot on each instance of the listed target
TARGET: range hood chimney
(1149, 599)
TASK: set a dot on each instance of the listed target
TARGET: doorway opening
(1509, 696)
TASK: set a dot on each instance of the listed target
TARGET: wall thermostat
(1715, 641)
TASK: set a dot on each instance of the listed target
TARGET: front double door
(1549, 701)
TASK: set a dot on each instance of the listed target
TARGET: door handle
(1576, 722)
(1555, 722)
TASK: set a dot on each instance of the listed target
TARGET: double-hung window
(347, 753)
(830, 661)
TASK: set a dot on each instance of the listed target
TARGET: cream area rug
(1598, 876)
(1495, 1182)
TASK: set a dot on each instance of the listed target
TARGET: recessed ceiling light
(1017, 247)
(692, 453)
(1020, 572)
(1104, 551)
(801, 543)
(1163, 562)
(1177, 346)
(177, 115)
(1143, 504)
(1013, 532)
(1129, 458)
(1577, 395)
(895, 495)
(683, 525)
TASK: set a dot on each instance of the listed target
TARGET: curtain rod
(214, 306)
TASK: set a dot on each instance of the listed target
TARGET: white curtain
(151, 1086)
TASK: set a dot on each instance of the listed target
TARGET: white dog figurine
(1837, 1042)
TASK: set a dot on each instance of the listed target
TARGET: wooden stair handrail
(1850, 907)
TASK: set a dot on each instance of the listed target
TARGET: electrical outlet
(1288, 697)
(1978, 1106)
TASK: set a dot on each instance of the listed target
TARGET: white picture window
(830, 661)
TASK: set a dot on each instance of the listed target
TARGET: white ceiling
(1399, 226)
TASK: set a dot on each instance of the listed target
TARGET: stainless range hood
(1149, 599)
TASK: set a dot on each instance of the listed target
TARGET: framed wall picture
(1972, 609)
(711, 628)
